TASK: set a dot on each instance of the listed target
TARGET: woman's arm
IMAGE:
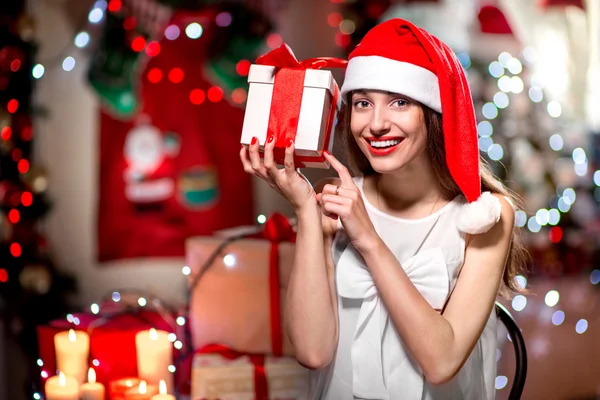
(441, 343)
(311, 305)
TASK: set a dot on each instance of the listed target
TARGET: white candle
(72, 352)
(154, 355)
(92, 390)
(61, 387)
(142, 392)
(162, 390)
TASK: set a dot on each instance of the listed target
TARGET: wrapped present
(221, 373)
(112, 340)
(293, 100)
(237, 289)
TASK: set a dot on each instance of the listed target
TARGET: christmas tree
(32, 291)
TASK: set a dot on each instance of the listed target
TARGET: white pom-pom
(480, 215)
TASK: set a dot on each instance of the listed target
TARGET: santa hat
(396, 56)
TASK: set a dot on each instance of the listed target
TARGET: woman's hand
(345, 202)
(288, 182)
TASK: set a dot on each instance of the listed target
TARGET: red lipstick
(378, 150)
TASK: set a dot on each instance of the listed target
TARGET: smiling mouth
(384, 144)
(382, 147)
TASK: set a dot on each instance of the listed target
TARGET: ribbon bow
(283, 57)
(277, 229)
(428, 272)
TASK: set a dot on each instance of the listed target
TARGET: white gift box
(316, 109)
(215, 377)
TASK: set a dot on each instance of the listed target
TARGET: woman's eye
(400, 103)
(361, 104)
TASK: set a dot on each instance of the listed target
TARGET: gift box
(295, 100)
(228, 375)
(112, 341)
(238, 300)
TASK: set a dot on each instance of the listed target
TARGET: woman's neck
(413, 189)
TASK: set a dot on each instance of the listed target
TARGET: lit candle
(61, 387)
(92, 390)
(154, 355)
(120, 387)
(162, 390)
(142, 392)
(72, 351)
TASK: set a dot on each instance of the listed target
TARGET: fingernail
(270, 138)
(326, 153)
(290, 143)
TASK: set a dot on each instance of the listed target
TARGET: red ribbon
(261, 386)
(277, 229)
(287, 96)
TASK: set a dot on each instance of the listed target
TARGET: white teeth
(384, 143)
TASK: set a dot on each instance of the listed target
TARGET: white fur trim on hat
(480, 215)
(380, 73)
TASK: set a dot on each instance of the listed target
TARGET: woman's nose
(379, 122)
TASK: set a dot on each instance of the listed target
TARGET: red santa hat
(396, 56)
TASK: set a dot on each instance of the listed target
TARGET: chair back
(520, 352)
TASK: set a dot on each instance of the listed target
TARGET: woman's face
(389, 129)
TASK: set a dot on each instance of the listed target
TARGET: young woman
(397, 269)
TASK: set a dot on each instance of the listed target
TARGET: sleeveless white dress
(371, 362)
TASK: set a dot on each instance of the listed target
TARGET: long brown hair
(518, 257)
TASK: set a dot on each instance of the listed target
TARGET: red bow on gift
(278, 229)
(283, 57)
(287, 95)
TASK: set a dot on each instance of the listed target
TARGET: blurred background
(120, 123)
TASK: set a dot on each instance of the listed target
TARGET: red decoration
(287, 96)
(492, 20)
(561, 3)
(112, 341)
(195, 183)
(15, 249)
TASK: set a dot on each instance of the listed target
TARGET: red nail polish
(270, 138)
(290, 143)
(254, 140)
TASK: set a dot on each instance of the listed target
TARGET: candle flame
(91, 375)
(72, 336)
(62, 379)
(153, 334)
(142, 387)
(162, 387)
(128, 383)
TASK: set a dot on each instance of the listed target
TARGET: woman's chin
(386, 166)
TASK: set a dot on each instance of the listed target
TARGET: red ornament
(6, 133)
(243, 67)
(492, 20)
(138, 44)
(197, 96)
(12, 106)
(152, 49)
(176, 75)
(15, 249)
(26, 199)
(155, 75)
(215, 94)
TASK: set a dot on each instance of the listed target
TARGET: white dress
(371, 362)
